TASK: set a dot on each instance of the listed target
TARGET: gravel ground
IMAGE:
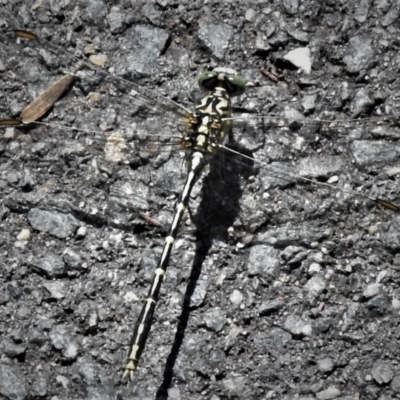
(279, 289)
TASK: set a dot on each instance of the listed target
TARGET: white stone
(98, 59)
(301, 58)
(25, 234)
(236, 297)
(82, 231)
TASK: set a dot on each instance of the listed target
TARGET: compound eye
(206, 80)
(237, 85)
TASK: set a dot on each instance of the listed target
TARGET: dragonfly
(201, 134)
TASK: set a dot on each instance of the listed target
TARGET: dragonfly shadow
(219, 207)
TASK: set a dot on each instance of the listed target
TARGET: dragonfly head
(234, 84)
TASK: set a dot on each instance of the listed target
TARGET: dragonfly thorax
(210, 123)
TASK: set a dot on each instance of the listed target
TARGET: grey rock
(298, 326)
(326, 364)
(62, 339)
(290, 251)
(93, 320)
(391, 236)
(235, 386)
(99, 392)
(367, 153)
(4, 297)
(12, 383)
(74, 148)
(273, 341)
(290, 234)
(149, 263)
(267, 308)
(271, 178)
(125, 200)
(392, 16)
(151, 13)
(95, 8)
(395, 384)
(330, 393)
(372, 290)
(363, 9)
(72, 259)
(315, 286)
(50, 265)
(215, 361)
(299, 35)
(323, 324)
(55, 222)
(382, 372)
(13, 177)
(39, 386)
(264, 261)
(350, 315)
(144, 45)
(291, 6)
(57, 290)
(363, 102)
(314, 167)
(215, 319)
(308, 102)
(13, 350)
(23, 312)
(115, 20)
(353, 337)
(199, 294)
(215, 37)
(379, 304)
(88, 370)
(359, 53)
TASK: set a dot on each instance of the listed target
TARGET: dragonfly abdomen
(143, 324)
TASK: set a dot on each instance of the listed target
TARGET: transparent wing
(88, 137)
(34, 61)
(116, 147)
(132, 98)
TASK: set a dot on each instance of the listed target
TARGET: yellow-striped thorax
(209, 125)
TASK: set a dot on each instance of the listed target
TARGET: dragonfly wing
(88, 137)
(132, 97)
(145, 118)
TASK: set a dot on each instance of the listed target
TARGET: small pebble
(396, 304)
(25, 234)
(82, 231)
(236, 297)
(371, 290)
(326, 365)
(98, 59)
(250, 14)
